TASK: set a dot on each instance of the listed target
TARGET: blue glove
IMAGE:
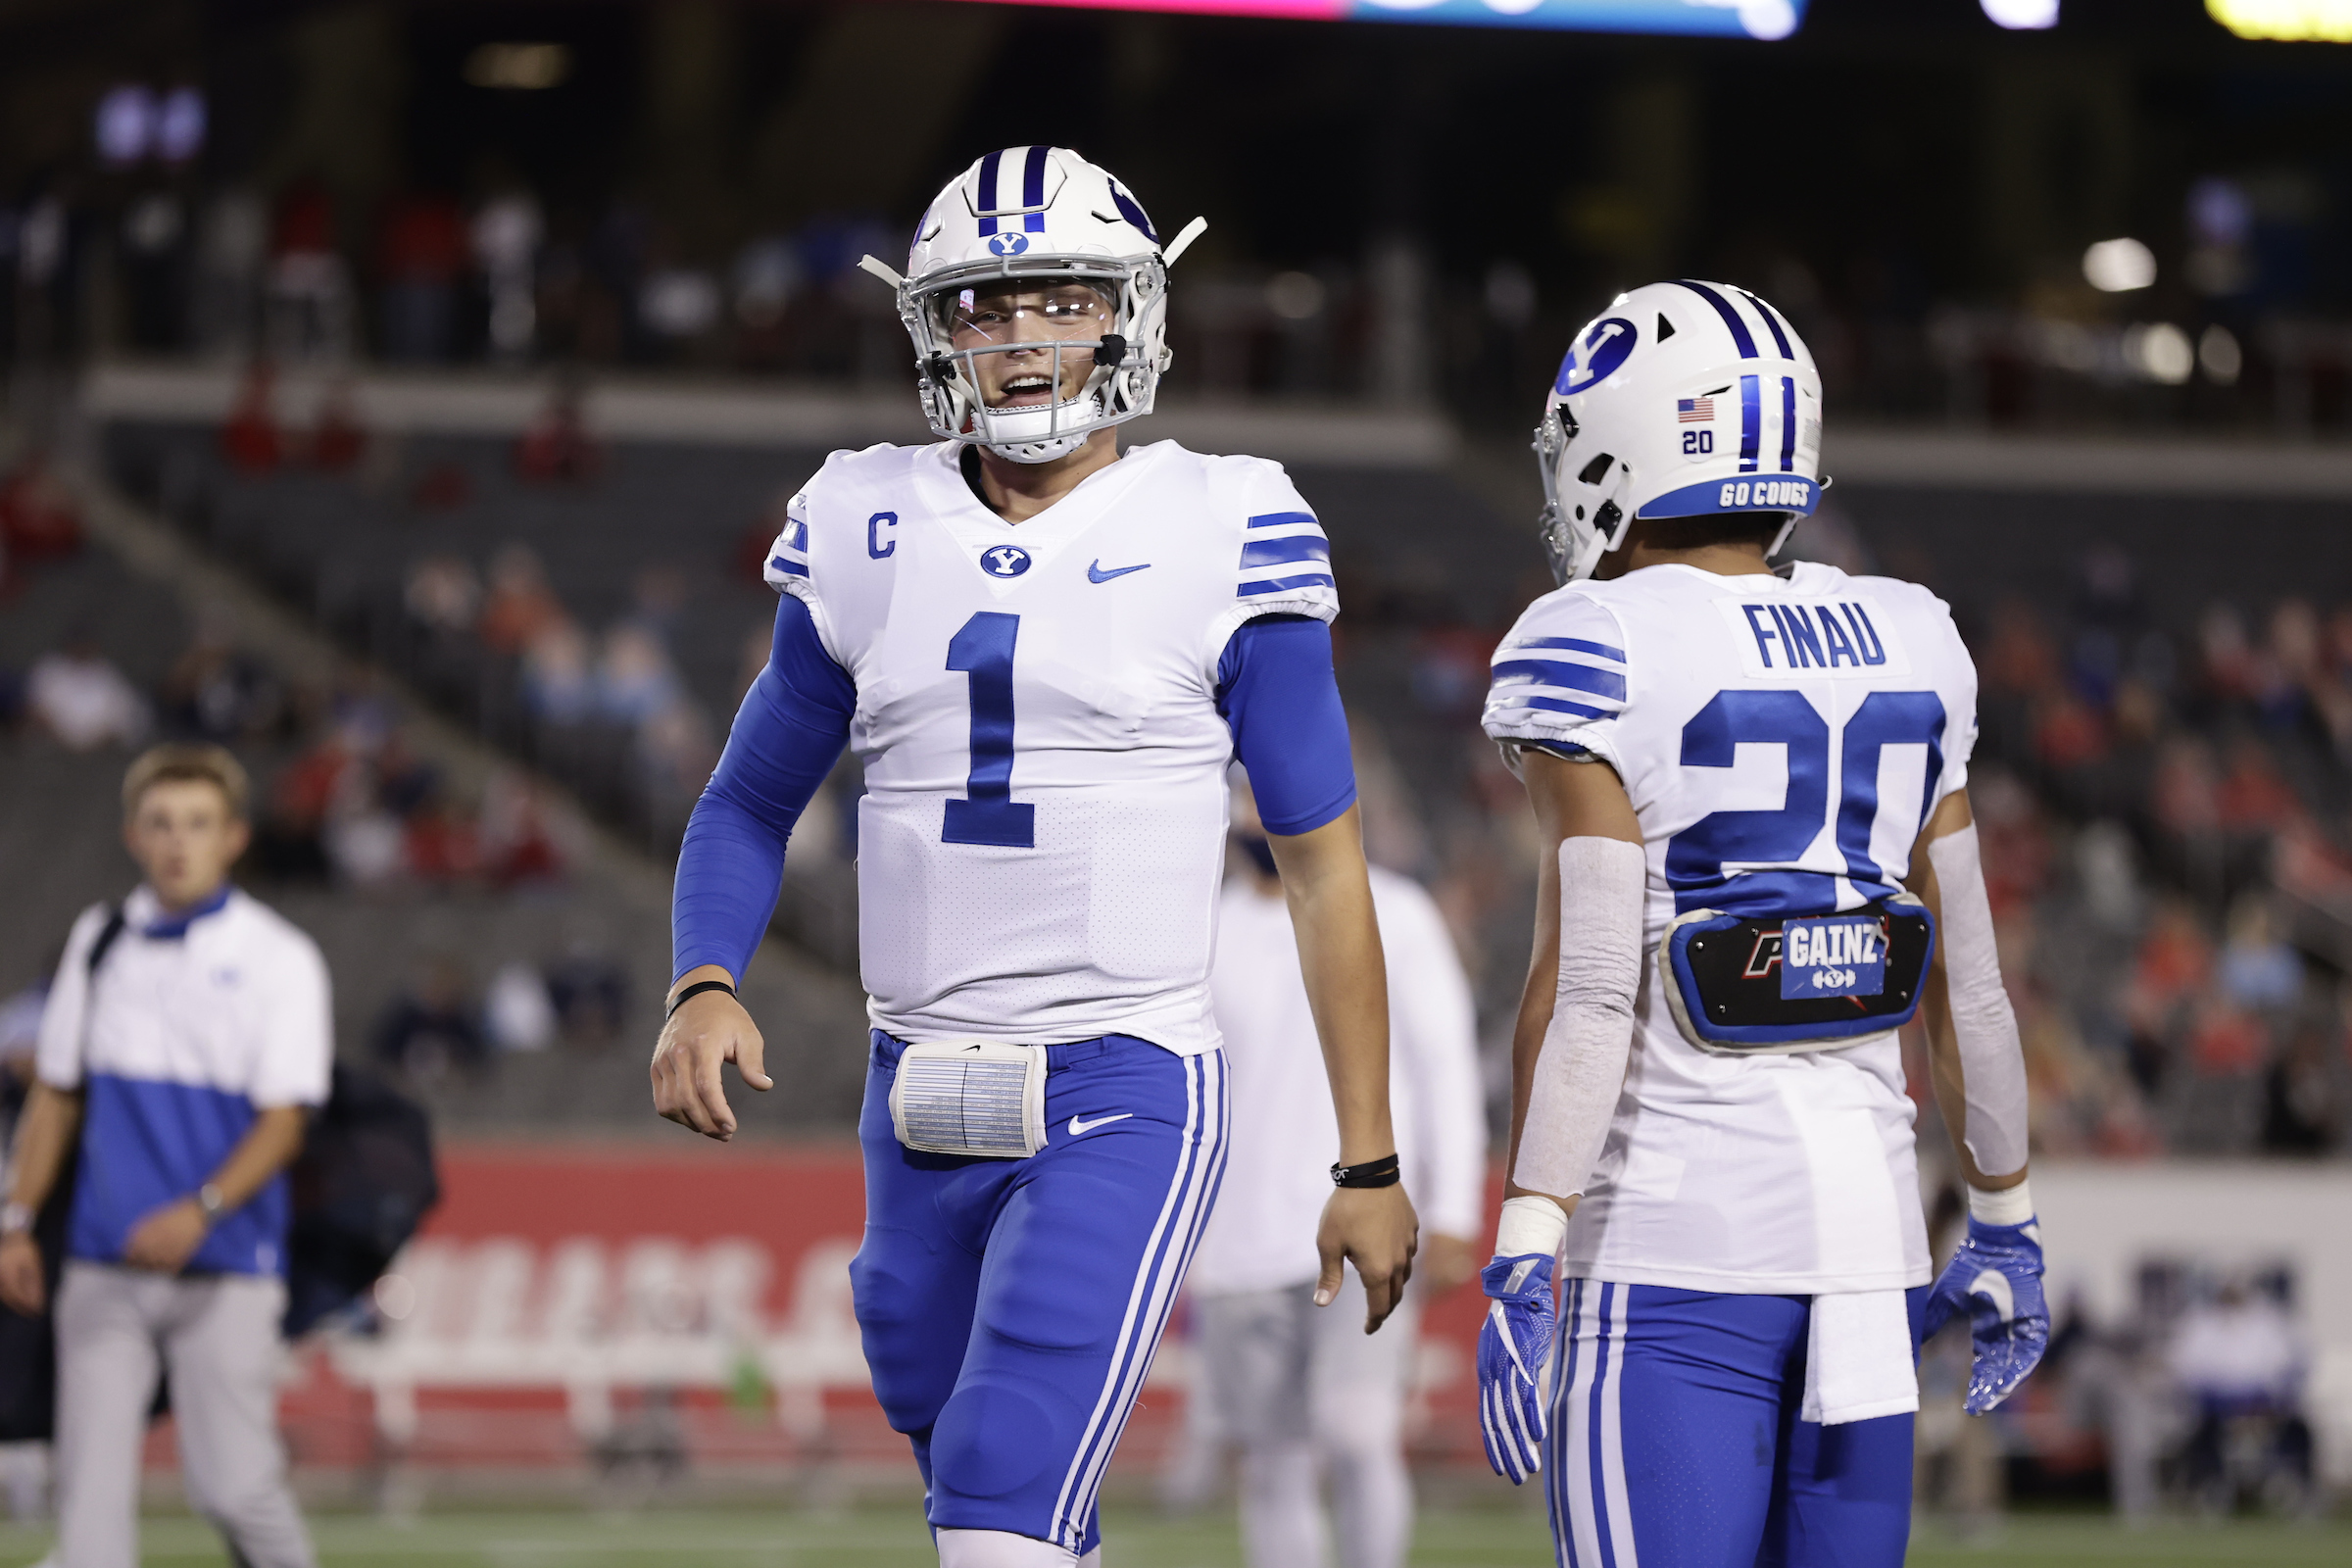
(1513, 1345)
(1995, 1277)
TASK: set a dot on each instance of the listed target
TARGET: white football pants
(1304, 1392)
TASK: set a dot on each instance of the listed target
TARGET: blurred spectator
(516, 1012)
(444, 594)
(2241, 1362)
(521, 604)
(2259, 970)
(590, 992)
(429, 1031)
(634, 680)
(558, 681)
(217, 692)
(251, 439)
(556, 448)
(2303, 1103)
(39, 519)
(506, 239)
(420, 256)
(307, 312)
(2253, 798)
(338, 439)
(515, 841)
(81, 700)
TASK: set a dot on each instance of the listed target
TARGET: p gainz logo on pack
(1832, 957)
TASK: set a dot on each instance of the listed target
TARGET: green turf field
(1486, 1538)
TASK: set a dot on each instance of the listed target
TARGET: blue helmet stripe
(1771, 319)
(1033, 189)
(1751, 420)
(1788, 424)
(988, 192)
(1731, 318)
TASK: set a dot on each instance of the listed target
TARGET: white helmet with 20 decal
(1681, 399)
(1040, 233)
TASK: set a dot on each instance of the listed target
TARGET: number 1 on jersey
(983, 651)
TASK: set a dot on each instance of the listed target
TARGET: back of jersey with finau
(1783, 742)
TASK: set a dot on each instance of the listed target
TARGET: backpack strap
(115, 921)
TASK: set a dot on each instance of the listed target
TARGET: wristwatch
(14, 1217)
(208, 1199)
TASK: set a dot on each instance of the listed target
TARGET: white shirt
(1044, 823)
(1286, 1136)
(1761, 788)
(181, 1041)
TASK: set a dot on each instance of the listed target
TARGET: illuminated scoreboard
(1732, 19)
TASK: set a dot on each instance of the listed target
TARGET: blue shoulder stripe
(1561, 672)
(1575, 645)
(789, 568)
(1282, 519)
(1555, 704)
(1276, 585)
(1280, 551)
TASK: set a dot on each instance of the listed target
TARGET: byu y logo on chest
(1004, 560)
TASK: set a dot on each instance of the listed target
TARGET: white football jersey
(1783, 742)
(1043, 830)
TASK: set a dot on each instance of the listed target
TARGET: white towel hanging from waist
(1858, 1359)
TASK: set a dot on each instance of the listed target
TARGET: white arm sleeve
(1581, 1069)
(1992, 1063)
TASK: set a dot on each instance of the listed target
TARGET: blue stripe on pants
(1676, 1440)
(1009, 1307)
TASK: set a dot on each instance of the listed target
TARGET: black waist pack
(1756, 985)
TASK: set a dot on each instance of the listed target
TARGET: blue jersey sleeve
(787, 736)
(1276, 688)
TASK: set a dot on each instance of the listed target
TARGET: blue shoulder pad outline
(1727, 993)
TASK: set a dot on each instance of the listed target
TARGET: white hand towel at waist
(1858, 1359)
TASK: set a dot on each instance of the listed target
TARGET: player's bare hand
(707, 1031)
(22, 1284)
(166, 1238)
(1375, 1229)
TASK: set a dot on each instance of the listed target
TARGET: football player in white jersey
(1759, 863)
(1045, 655)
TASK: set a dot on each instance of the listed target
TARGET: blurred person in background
(81, 700)
(2241, 1362)
(187, 1037)
(430, 1029)
(1299, 1391)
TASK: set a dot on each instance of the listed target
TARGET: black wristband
(1384, 1172)
(694, 990)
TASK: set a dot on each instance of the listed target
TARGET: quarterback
(1045, 655)
(1759, 863)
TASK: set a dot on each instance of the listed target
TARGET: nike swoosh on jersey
(1079, 1129)
(1096, 573)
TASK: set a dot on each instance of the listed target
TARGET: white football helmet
(1681, 399)
(1047, 214)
